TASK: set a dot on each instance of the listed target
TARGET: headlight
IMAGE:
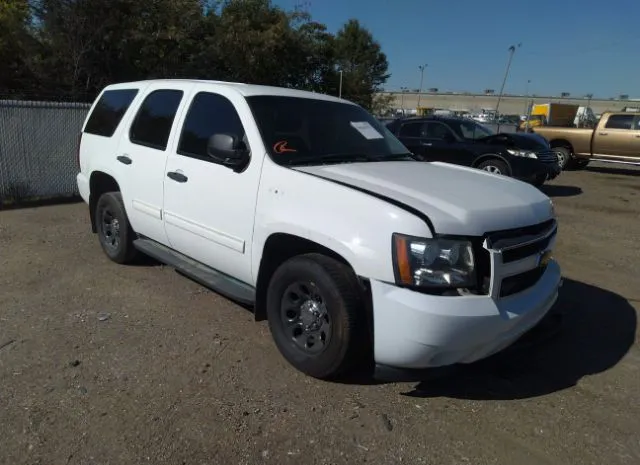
(433, 262)
(522, 153)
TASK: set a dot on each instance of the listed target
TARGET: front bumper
(532, 170)
(415, 330)
(83, 187)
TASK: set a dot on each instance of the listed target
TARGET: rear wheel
(564, 156)
(495, 166)
(316, 315)
(114, 231)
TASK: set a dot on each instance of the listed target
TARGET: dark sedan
(462, 141)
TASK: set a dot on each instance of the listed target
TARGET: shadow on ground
(612, 170)
(38, 202)
(596, 330)
(553, 190)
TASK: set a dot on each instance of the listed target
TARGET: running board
(207, 276)
(634, 163)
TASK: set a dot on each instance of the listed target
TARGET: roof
(246, 90)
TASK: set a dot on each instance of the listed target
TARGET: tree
(16, 45)
(362, 62)
(76, 47)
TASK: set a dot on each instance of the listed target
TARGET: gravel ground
(106, 364)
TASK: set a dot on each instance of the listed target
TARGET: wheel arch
(491, 156)
(99, 183)
(554, 143)
(280, 247)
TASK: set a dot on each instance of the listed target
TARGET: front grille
(505, 249)
(521, 282)
(547, 156)
(526, 251)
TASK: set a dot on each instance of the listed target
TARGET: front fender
(351, 223)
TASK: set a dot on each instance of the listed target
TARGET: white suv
(305, 207)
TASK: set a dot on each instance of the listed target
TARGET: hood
(533, 142)
(457, 200)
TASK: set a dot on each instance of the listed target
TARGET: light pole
(526, 97)
(512, 50)
(340, 88)
(421, 68)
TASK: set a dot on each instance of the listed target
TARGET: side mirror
(228, 150)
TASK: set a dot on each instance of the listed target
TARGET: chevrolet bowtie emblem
(545, 258)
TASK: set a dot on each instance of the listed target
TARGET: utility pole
(512, 50)
(340, 90)
(421, 68)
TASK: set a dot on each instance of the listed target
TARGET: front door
(614, 139)
(142, 155)
(635, 140)
(441, 144)
(209, 209)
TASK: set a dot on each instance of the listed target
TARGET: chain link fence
(38, 146)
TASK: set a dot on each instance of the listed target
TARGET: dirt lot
(104, 364)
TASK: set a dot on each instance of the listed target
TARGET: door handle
(178, 177)
(125, 159)
(426, 144)
(603, 133)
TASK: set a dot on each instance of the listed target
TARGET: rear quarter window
(108, 112)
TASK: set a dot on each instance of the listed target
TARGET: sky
(580, 47)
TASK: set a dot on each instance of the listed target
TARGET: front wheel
(316, 315)
(495, 166)
(114, 231)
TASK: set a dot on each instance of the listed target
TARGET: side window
(437, 131)
(619, 122)
(209, 114)
(108, 112)
(152, 124)
(636, 125)
(412, 130)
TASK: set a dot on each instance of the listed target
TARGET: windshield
(306, 131)
(470, 130)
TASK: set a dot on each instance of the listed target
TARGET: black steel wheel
(305, 318)
(316, 315)
(114, 231)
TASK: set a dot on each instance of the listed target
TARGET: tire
(539, 181)
(335, 337)
(580, 163)
(495, 166)
(564, 157)
(114, 231)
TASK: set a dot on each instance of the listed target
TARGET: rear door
(411, 134)
(614, 138)
(142, 154)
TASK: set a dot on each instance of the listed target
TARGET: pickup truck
(615, 139)
(462, 141)
(304, 208)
